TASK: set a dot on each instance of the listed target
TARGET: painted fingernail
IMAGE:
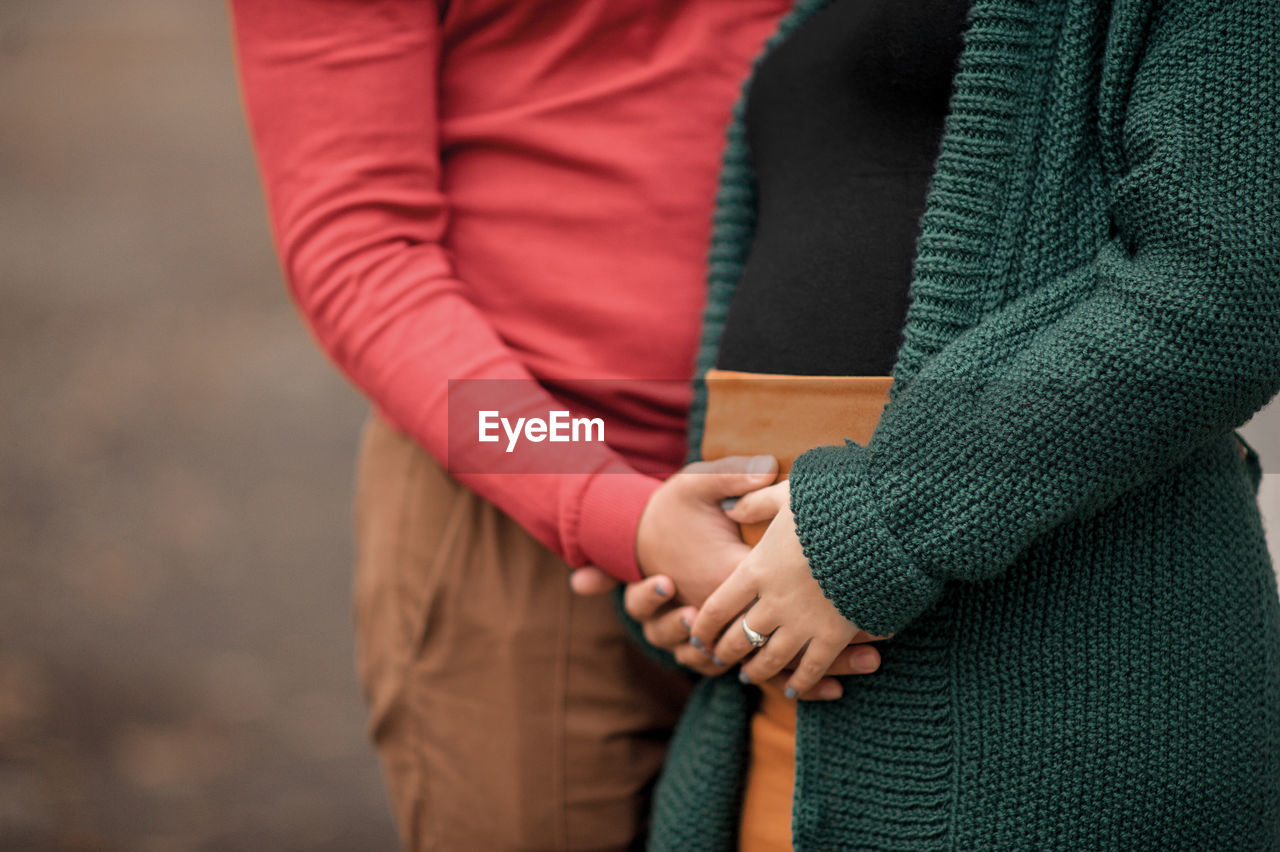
(743, 677)
(760, 464)
(660, 590)
(719, 662)
(695, 642)
(687, 626)
(729, 502)
(790, 692)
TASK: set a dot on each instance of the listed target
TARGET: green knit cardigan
(1055, 515)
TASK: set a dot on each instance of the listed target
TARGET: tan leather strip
(782, 416)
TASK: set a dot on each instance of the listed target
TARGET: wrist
(646, 534)
(609, 518)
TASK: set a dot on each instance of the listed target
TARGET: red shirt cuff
(607, 520)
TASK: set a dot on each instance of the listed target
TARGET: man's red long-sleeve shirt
(506, 189)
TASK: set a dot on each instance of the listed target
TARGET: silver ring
(757, 640)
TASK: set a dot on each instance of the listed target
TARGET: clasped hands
(702, 580)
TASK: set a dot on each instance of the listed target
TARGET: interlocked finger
(723, 607)
(734, 644)
(782, 646)
(817, 659)
(644, 598)
(670, 629)
(690, 657)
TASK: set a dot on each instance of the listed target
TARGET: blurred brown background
(175, 643)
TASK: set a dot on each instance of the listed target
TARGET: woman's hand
(666, 625)
(774, 590)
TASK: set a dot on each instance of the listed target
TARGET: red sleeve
(341, 98)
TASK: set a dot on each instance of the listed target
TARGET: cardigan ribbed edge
(852, 554)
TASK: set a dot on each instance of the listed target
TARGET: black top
(843, 121)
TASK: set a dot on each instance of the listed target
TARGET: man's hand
(684, 533)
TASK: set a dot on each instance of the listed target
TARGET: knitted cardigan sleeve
(1096, 380)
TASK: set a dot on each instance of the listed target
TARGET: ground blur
(175, 643)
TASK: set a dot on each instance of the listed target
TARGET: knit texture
(1054, 515)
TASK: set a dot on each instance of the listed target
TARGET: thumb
(762, 505)
(731, 476)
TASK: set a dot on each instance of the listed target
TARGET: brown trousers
(508, 713)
